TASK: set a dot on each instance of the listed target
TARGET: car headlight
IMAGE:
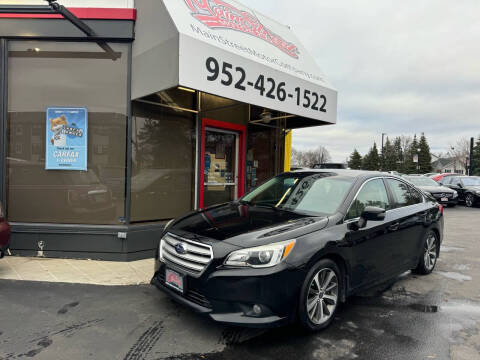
(455, 194)
(261, 256)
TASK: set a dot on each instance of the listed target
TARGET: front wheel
(469, 200)
(430, 251)
(320, 294)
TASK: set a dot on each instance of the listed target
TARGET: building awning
(226, 49)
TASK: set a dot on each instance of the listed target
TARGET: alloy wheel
(469, 200)
(322, 296)
(430, 254)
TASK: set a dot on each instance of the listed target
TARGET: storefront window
(42, 75)
(163, 157)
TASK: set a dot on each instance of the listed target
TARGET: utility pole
(470, 167)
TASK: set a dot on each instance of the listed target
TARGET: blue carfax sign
(67, 130)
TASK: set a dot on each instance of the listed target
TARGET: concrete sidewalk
(76, 271)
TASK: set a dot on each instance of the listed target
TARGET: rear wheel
(429, 256)
(320, 295)
(469, 200)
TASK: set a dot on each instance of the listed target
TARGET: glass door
(220, 167)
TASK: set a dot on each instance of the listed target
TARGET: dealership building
(119, 115)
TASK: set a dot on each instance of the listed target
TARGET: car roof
(349, 173)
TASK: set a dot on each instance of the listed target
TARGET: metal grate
(442, 195)
(194, 256)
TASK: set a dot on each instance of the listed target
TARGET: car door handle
(394, 226)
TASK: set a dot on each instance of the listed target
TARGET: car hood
(473, 187)
(244, 225)
(436, 189)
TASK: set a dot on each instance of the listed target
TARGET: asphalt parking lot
(414, 317)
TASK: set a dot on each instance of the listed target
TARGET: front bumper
(228, 295)
(450, 201)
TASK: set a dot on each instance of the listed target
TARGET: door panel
(221, 159)
(371, 247)
(410, 213)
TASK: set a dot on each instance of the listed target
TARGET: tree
(355, 161)
(371, 161)
(424, 156)
(389, 157)
(409, 166)
(398, 152)
(476, 157)
(309, 158)
(460, 152)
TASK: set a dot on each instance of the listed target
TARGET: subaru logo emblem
(181, 248)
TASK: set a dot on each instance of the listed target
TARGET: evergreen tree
(409, 166)
(476, 157)
(355, 161)
(389, 157)
(398, 153)
(371, 161)
(424, 156)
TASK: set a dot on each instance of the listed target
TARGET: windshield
(471, 181)
(310, 193)
(422, 181)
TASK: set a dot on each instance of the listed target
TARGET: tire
(319, 304)
(429, 255)
(469, 200)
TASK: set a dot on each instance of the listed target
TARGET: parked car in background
(298, 245)
(468, 188)
(4, 232)
(430, 174)
(440, 177)
(330, 166)
(442, 194)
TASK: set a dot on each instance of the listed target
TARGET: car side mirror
(370, 213)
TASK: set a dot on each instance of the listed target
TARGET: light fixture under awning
(226, 49)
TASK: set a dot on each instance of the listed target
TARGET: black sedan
(468, 188)
(442, 194)
(298, 245)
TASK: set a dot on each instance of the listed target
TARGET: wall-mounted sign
(66, 139)
(227, 49)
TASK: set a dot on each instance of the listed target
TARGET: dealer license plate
(444, 199)
(174, 280)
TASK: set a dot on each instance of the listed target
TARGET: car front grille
(194, 257)
(192, 294)
(442, 195)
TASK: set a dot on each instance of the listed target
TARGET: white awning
(227, 49)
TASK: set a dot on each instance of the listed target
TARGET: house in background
(447, 165)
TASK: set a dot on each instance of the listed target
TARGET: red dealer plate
(174, 280)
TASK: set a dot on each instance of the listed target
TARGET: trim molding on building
(84, 13)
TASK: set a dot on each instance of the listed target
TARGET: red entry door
(222, 168)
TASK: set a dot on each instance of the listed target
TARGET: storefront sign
(227, 49)
(66, 138)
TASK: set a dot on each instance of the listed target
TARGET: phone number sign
(228, 75)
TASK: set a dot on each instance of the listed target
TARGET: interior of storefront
(192, 149)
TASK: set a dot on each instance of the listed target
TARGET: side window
(417, 198)
(447, 180)
(403, 194)
(373, 193)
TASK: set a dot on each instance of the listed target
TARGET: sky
(400, 67)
